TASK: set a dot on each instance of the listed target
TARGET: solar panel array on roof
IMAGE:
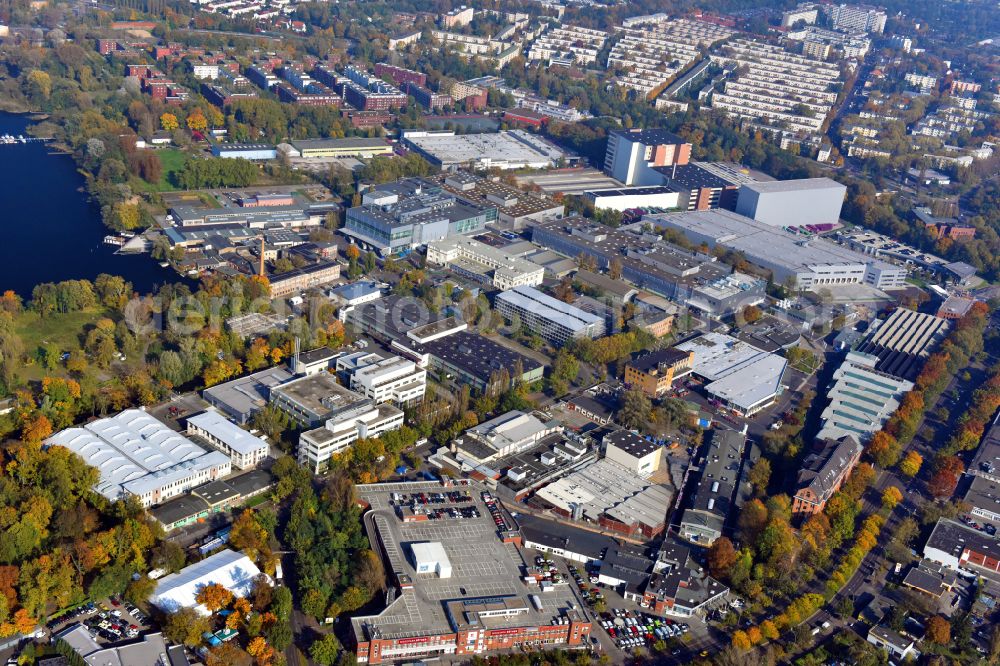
(903, 340)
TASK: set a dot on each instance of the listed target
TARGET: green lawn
(257, 501)
(173, 160)
(64, 332)
(208, 200)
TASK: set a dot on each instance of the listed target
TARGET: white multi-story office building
(245, 449)
(484, 263)
(554, 320)
(393, 379)
(349, 416)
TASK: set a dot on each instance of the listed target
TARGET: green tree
(112, 580)
(140, 590)
(760, 476)
(186, 625)
(325, 650)
(635, 409)
(279, 635)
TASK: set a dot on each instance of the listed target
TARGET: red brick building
(400, 75)
(107, 46)
(472, 639)
(525, 118)
(822, 474)
(363, 119)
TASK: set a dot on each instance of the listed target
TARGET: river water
(50, 230)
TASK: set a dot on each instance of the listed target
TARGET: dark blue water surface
(50, 232)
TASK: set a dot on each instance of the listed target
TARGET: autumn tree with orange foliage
(721, 557)
(741, 641)
(938, 630)
(36, 428)
(226, 654)
(884, 449)
(10, 302)
(263, 653)
(942, 484)
(214, 597)
(250, 537)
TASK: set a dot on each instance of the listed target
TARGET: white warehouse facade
(140, 456)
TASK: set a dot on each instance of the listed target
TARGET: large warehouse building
(904, 341)
(862, 398)
(460, 587)
(398, 217)
(692, 278)
(140, 456)
(348, 147)
(792, 203)
(807, 262)
(513, 149)
(742, 377)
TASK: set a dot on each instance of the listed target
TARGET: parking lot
(631, 629)
(481, 565)
(434, 505)
(109, 621)
(624, 626)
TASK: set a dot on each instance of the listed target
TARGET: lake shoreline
(55, 231)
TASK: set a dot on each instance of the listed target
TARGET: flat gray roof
(759, 241)
(348, 142)
(513, 146)
(319, 393)
(984, 494)
(796, 185)
(483, 567)
(246, 394)
(227, 432)
(543, 305)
